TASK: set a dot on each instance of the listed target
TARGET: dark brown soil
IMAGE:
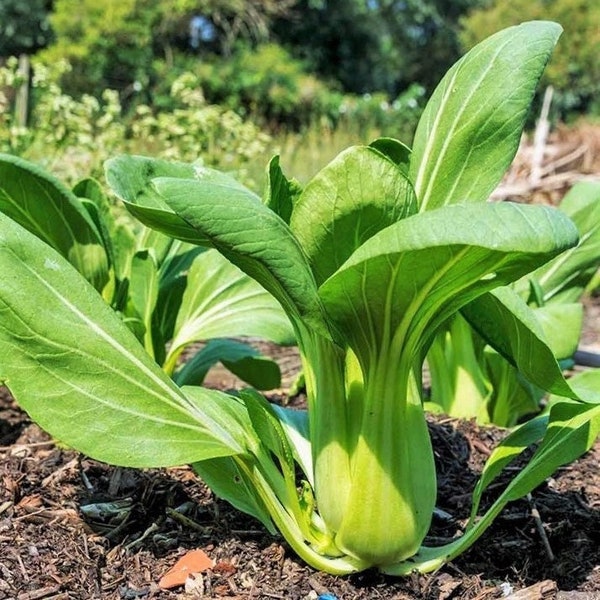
(59, 539)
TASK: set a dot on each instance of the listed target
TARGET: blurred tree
(24, 26)
(114, 43)
(574, 69)
(376, 44)
(107, 42)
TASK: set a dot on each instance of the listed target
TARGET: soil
(73, 528)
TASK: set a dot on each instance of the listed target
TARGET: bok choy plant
(471, 379)
(367, 260)
(169, 293)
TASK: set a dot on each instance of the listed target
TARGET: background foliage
(236, 80)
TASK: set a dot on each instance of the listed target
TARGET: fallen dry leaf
(195, 561)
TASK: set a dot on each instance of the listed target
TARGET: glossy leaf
(358, 194)
(91, 370)
(253, 238)
(424, 268)
(471, 127)
(131, 179)
(510, 327)
(221, 301)
(48, 209)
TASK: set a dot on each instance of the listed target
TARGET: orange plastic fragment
(195, 561)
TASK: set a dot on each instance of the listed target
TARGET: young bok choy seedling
(368, 260)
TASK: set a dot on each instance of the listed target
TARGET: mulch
(74, 528)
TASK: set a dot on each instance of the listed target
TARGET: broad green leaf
(48, 209)
(241, 359)
(356, 195)
(221, 301)
(81, 374)
(471, 127)
(510, 327)
(586, 385)
(253, 238)
(281, 193)
(424, 268)
(562, 324)
(131, 177)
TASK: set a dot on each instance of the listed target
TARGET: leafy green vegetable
(368, 261)
(471, 380)
(168, 292)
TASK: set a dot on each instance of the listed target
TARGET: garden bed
(59, 539)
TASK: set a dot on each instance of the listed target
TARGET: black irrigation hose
(586, 359)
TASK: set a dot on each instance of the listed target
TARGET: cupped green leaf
(253, 238)
(358, 194)
(131, 177)
(425, 267)
(74, 366)
(505, 321)
(221, 301)
(395, 150)
(47, 208)
(471, 127)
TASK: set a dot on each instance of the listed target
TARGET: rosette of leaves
(368, 260)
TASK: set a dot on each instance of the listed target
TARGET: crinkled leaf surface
(252, 237)
(48, 209)
(471, 127)
(80, 373)
(131, 177)
(358, 194)
(425, 267)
